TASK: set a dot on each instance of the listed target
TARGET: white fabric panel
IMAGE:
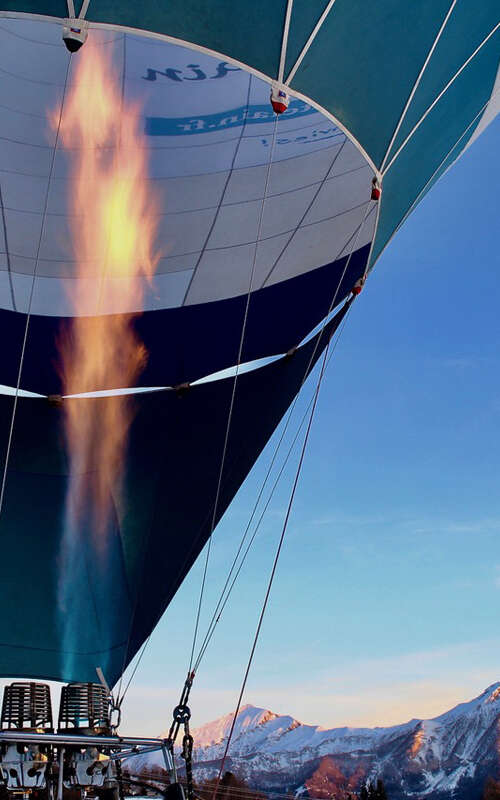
(23, 232)
(208, 155)
(350, 159)
(339, 194)
(67, 268)
(21, 266)
(177, 263)
(172, 195)
(216, 270)
(324, 240)
(19, 286)
(285, 176)
(24, 159)
(235, 224)
(184, 233)
(15, 126)
(17, 38)
(23, 192)
(366, 232)
(283, 214)
(27, 96)
(291, 174)
(190, 192)
(57, 291)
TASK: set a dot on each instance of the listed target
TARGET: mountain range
(449, 756)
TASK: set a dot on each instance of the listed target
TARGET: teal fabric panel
(305, 15)
(50, 629)
(469, 23)
(364, 61)
(247, 32)
(50, 8)
(434, 140)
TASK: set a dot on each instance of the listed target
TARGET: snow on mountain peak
(493, 692)
(248, 719)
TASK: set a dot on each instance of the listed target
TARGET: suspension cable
(275, 564)
(216, 615)
(120, 700)
(227, 430)
(306, 373)
(233, 393)
(224, 600)
(32, 291)
(292, 494)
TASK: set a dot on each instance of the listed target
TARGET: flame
(113, 232)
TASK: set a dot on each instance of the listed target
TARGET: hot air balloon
(283, 146)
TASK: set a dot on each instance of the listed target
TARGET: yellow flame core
(113, 231)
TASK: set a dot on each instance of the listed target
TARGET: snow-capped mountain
(448, 756)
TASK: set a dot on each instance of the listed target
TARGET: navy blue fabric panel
(70, 605)
(192, 341)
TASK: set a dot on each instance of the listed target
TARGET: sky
(385, 603)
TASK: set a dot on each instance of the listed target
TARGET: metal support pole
(123, 754)
(117, 742)
(60, 776)
(168, 757)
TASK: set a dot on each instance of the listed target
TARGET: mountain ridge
(447, 756)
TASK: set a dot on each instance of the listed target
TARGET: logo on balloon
(195, 73)
(211, 123)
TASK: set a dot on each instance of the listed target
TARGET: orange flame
(113, 231)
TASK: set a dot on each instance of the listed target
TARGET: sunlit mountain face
(450, 756)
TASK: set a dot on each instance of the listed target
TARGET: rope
(7, 252)
(284, 40)
(223, 601)
(292, 494)
(306, 373)
(417, 82)
(32, 291)
(438, 168)
(226, 436)
(275, 564)
(237, 790)
(233, 393)
(120, 700)
(439, 96)
(216, 615)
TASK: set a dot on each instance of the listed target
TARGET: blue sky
(385, 604)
